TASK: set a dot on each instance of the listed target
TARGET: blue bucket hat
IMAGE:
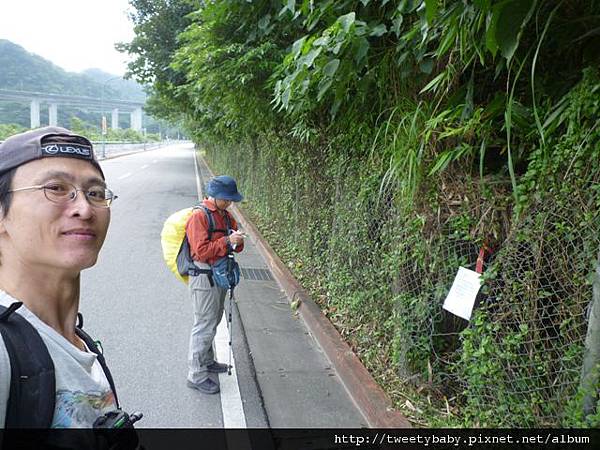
(223, 187)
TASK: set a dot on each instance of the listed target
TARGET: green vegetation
(89, 131)
(118, 135)
(381, 145)
(7, 130)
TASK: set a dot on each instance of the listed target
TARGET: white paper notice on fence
(463, 292)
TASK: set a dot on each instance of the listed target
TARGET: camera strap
(93, 346)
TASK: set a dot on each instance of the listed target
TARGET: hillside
(126, 89)
(22, 70)
(26, 71)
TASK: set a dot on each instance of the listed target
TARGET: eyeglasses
(61, 193)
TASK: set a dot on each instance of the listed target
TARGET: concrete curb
(367, 395)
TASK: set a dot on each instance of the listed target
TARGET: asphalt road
(136, 307)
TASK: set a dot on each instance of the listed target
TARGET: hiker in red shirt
(206, 247)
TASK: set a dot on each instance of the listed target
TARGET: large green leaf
(361, 50)
(511, 17)
(285, 97)
(397, 24)
(490, 36)
(347, 20)
(379, 30)
(322, 41)
(310, 57)
(407, 6)
(433, 84)
(431, 8)
(330, 68)
(297, 46)
(324, 85)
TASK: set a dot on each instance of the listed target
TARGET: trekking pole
(232, 282)
(230, 314)
(230, 330)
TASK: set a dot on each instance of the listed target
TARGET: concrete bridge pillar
(35, 113)
(53, 115)
(114, 122)
(136, 119)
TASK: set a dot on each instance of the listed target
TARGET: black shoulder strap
(32, 382)
(211, 221)
(91, 344)
(228, 222)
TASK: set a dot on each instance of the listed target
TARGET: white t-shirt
(82, 390)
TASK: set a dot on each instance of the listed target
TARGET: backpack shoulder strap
(32, 393)
(93, 346)
(211, 221)
(228, 222)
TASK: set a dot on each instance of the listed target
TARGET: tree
(157, 24)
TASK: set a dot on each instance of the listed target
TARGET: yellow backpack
(175, 246)
(172, 239)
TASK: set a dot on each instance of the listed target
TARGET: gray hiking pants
(208, 304)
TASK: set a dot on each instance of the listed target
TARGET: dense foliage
(112, 135)
(7, 130)
(79, 126)
(381, 145)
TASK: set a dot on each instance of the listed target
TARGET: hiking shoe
(208, 386)
(217, 367)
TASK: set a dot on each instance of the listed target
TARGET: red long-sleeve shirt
(201, 248)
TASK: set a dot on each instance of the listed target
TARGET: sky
(73, 34)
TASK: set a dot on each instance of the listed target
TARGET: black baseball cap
(43, 143)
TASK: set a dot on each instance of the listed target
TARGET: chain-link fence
(381, 270)
(536, 311)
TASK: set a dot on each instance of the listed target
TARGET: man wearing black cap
(206, 247)
(54, 215)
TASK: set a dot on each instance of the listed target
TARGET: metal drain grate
(256, 274)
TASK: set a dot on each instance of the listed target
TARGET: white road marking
(128, 174)
(231, 404)
(198, 187)
(144, 166)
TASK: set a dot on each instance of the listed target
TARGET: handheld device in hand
(117, 419)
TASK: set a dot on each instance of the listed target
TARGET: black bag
(32, 382)
(32, 394)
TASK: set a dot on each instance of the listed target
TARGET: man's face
(222, 204)
(41, 234)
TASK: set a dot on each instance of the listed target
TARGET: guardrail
(111, 149)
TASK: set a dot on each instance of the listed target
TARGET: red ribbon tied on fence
(481, 258)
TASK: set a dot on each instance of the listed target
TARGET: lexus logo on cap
(78, 151)
(51, 149)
